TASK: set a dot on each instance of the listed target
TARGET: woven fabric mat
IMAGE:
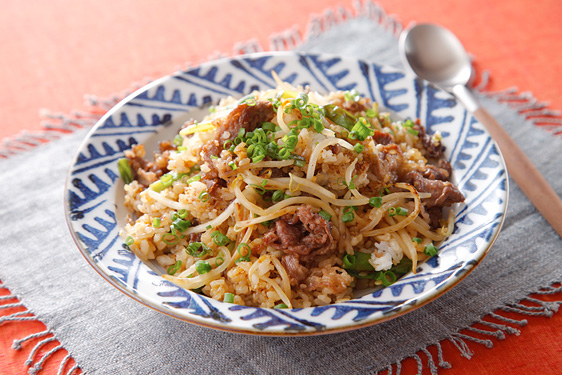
(107, 332)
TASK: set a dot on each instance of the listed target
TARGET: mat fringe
(55, 125)
(34, 361)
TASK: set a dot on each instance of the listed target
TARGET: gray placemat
(107, 332)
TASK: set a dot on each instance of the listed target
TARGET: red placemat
(55, 52)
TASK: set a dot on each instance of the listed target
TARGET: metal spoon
(434, 53)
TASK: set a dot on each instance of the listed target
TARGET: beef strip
(147, 172)
(434, 150)
(245, 116)
(443, 193)
(433, 172)
(382, 138)
(386, 165)
(211, 148)
(301, 236)
(297, 272)
(355, 107)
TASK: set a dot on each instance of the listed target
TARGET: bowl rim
(407, 307)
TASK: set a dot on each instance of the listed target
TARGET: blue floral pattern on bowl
(94, 191)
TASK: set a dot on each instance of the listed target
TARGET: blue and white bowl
(94, 191)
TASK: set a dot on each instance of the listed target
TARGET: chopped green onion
(204, 196)
(259, 189)
(362, 129)
(181, 225)
(375, 202)
(401, 211)
(359, 148)
(173, 241)
(208, 227)
(284, 154)
(165, 181)
(413, 131)
(183, 213)
(193, 179)
(178, 140)
(408, 123)
(318, 126)
(291, 142)
(417, 240)
(181, 148)
(197, 249)
(277, 196)
(352, 96)
(228, 298)
(430, 250)
(281, 306)
(268, 126)
(371, 113)
(387, 278)
(325, 215)
(232, 165)
(227, 144)
(263, 183)
(202, 267)
(220, 239)
(393, 211)
(299, 163)
(125, 170)
(174, 268)
(243, 258)
(214, 157)
(156, 222)
(257, 159)
(129, 241)
(348, 217)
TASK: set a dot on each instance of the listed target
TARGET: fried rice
(288, 198)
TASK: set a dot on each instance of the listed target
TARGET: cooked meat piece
(303, 234)
(297, 272)
(435, 173)
(385, 167)
(195, 237)
(444, 164)
(382, 138)
(355, 107)
(434, 151)
(147, 172)
(245, 116)
(443, 193)
(435, 215)
(211, 148)
(213, 185)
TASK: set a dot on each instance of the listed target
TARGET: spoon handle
(524, 173)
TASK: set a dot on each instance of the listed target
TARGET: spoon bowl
(436, 55)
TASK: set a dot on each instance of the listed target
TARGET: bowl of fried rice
(286, 194)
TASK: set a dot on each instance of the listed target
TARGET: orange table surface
(55, 52)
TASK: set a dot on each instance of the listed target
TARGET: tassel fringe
(55, 125)
(41, 350)
(527, 306)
